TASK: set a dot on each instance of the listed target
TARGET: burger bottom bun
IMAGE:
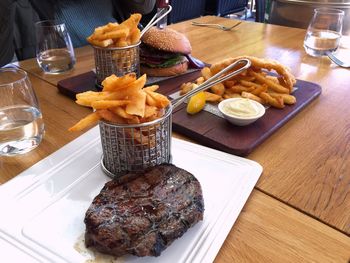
(165, 72)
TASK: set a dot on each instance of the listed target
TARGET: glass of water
(54, 49)
(324, 31)
(21, 124)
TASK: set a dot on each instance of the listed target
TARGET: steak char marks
(142, 214)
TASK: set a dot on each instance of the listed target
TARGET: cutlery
(222, 27)
(337, 60)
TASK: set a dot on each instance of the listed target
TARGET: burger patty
(144, 213)
(155, 58)
(148, 51)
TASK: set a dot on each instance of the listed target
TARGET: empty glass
(324, 31)
(21, 124)
(54, 49)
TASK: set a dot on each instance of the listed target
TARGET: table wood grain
(270, 231)
(266, 229)
(299, 211)
(59, 113)
(307, 162)
(84, 63)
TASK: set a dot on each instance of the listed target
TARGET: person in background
(18, 18)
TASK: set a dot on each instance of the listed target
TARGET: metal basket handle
(214, 80)
(157, 17)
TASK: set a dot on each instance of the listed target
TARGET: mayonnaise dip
(241, 108)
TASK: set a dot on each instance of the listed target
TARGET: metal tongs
(217, 78)
(156, 18)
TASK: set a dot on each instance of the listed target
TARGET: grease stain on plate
(92, 255)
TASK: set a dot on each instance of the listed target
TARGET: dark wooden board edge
(216, 132)
(78, 84)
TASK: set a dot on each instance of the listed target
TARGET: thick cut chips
(115, 35)
(123, 100)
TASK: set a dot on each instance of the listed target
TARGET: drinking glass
(54, 49)
(324, 31)
(21, 124)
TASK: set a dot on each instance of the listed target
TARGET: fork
(222, 27)
(337, 60)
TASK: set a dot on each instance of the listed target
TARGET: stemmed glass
(21, 123)
(54, 49)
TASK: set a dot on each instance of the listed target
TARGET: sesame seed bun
(165, 72)
(167, 40)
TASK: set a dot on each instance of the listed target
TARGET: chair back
(225, 7)
(185, 9)
(260, 10)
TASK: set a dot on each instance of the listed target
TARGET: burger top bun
(167, 40)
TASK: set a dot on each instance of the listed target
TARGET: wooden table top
(301, 202)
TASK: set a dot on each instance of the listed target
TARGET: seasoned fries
(253, 83)
(123, 100)
(115, 35)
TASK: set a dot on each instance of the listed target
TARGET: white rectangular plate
(43, 208)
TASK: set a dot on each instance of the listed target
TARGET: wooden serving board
(77, 84)
(215, 132)
(207, 128)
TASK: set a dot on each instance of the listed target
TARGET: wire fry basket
(132, 148)
(117, 60)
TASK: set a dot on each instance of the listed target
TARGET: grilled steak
(142, 214)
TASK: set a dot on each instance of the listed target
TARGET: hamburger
(163, 52)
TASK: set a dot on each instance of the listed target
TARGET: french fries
(276, 102)
(287, 98)
(117, 35)
(123, 100)
(251, 96)
(186, 87)
(114, 83)
(273, 85)
(254, 83)
(106, 104)
(211, 97)
(91, 119)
